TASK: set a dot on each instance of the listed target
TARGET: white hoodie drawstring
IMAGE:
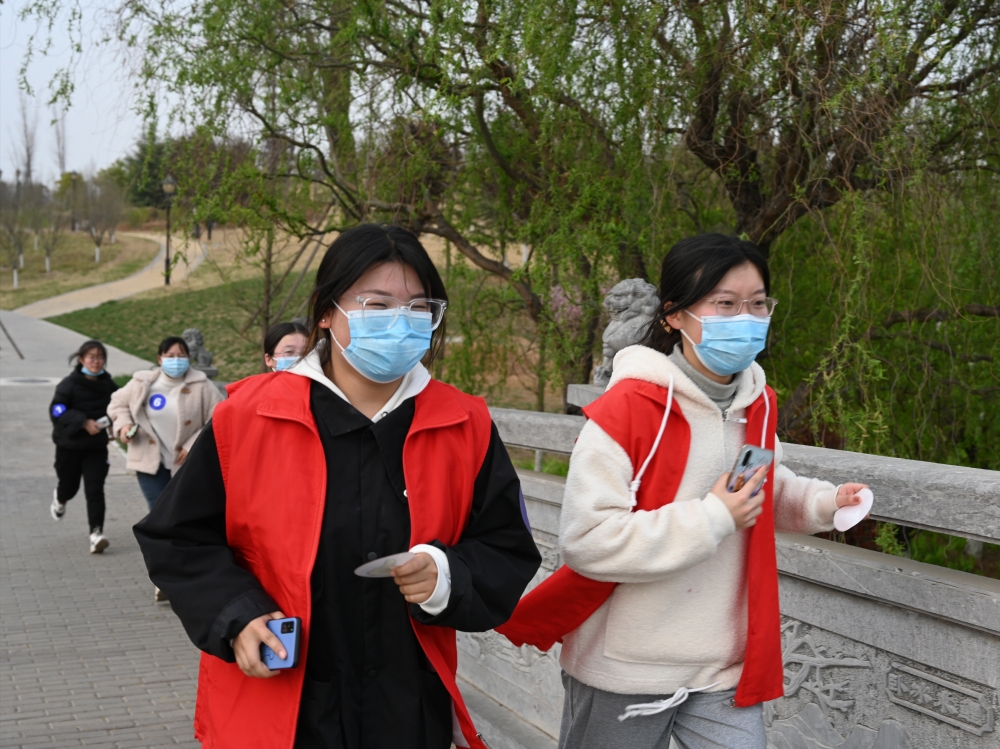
(654, 708)
(767, 417)
(633, 488)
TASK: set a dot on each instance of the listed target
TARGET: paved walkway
(86, 657)
(150, 277)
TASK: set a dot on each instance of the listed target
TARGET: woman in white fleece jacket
(677, 620)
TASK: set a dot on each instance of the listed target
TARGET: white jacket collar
(646, 364)
(413, 382)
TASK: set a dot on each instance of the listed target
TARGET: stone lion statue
(201, 358)
(631, 304)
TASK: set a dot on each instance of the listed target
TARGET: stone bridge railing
(880, 652)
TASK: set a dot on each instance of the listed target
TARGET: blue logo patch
(157, 402)
(58, 410)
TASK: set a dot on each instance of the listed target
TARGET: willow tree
(585, 137)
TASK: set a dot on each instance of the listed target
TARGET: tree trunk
(48, 263)
(97, 253)
(265, 311)
(540, 370)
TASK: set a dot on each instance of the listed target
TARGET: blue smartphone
(289, 632)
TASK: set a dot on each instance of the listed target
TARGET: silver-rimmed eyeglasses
(381, 312)
(730, 306)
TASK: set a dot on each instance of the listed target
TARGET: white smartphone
(104, 422)
(748, 462)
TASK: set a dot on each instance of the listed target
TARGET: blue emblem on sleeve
(58, 409)
(157, 402)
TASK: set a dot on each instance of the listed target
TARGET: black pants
(92, 465)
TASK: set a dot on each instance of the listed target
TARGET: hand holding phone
(104, 422)
(750, 460)
(288, 632)
(739, 490)
(746, 504)
(246, 646)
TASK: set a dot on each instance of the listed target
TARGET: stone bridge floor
(86, 657)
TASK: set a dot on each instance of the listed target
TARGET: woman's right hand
(247, 646)
(123, 434)
(743, 507)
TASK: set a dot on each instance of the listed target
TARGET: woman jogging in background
(284, 345)
(353, 454)
(80, 431)
(160, 413)
(667, 605)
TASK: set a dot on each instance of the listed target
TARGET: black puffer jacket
(77, 399)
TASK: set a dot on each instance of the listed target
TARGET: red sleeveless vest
(266, 434)
(630, 413)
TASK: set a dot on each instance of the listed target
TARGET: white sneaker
(98, 542)
(57, 509)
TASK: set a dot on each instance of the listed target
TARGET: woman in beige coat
(160, 413)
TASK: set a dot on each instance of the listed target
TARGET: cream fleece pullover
(679, 618)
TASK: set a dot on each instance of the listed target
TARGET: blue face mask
(384, 354)
(729, 344)
(176, 366)
(89, 373)
(281, 363)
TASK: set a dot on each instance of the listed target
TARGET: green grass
(73, 267)
(138, 325)
(552, 463)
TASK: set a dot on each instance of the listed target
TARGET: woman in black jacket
(79, 405)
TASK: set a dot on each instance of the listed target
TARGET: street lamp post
(169, 188)
(74, 176)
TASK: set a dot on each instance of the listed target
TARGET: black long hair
(167, 343)
(85, 348)
(355, 252)
(278, 331)
(693, 267)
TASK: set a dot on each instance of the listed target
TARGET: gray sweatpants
(706, 720)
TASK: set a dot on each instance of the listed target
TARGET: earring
(663, 324)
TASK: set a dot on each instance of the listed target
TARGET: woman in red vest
(353, 454)
(668, 601)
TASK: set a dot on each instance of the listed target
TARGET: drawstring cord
(653, 708)
(633, 488)
(767, 417)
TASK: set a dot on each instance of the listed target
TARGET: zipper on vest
(725, 443)
(725, 417)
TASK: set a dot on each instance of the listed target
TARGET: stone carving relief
(804, 662)
(931, 695)
(808, 667)
(810, 729)
(490, 644)
(548, 547)
(631, 304)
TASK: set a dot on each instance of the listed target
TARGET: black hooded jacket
(77, 399)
